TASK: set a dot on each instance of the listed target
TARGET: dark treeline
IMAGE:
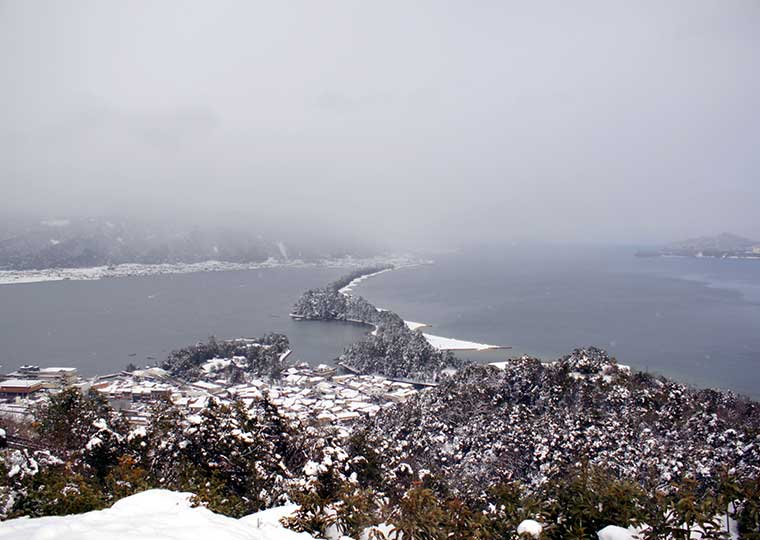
(345, 279)
(262, 356)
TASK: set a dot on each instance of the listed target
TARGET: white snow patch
(94, 443)
(311, 468)
(157, 514)
(56, 223)
(450, 344)
(384, 529)
(155, 372)
(270, 517)
(530, 527)
(139, 431)
(613, 532)
(416, 325)
(216, 364)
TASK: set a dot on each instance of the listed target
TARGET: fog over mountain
(402, 123)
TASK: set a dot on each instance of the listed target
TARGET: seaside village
(308, 394)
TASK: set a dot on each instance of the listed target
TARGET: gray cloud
(434, 122)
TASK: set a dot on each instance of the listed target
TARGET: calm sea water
(695, 320)
(97, 325)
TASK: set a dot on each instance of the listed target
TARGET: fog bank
(436, 122)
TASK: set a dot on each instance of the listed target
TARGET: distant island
(722, 246)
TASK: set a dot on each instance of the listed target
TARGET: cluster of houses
(30, 379)
(28, 385)
(320, 394)
(304, 393)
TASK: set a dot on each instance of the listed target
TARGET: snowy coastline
(12, 277)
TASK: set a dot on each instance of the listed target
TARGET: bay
(100, 326)
(694, 320)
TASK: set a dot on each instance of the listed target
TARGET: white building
(52, 377)
(15, 388)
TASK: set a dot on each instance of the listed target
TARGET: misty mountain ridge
(723, 245)
(89, 242)
(722, 242)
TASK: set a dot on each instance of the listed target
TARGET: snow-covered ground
(156, 514)
(160, 514)
(613, 532)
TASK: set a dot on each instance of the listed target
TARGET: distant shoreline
(647, 255)
(18, 277)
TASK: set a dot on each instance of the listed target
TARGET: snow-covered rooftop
(20, 383)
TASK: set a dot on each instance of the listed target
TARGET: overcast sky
(633, 121)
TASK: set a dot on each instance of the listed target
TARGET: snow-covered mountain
(65, 243)
(89, 242)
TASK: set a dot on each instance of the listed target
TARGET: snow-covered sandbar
(416, 325)
(439, 342)
(450, 344)
(354, 282)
